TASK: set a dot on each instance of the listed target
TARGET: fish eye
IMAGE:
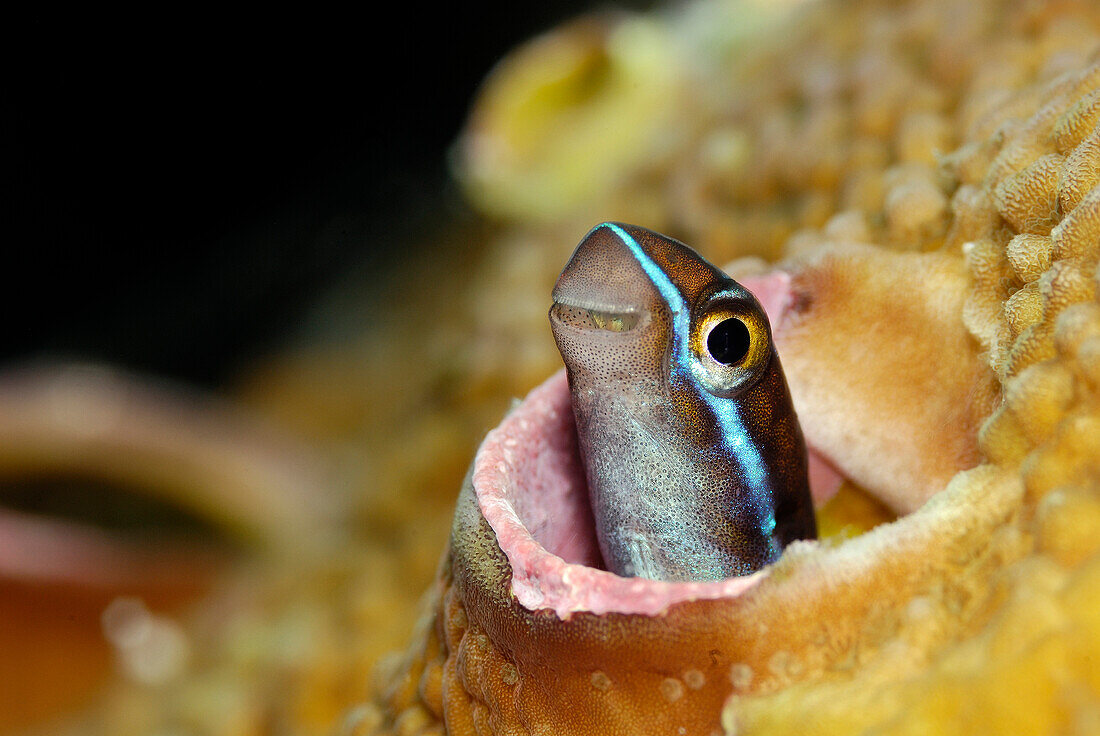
(730, 344)
(729, 341)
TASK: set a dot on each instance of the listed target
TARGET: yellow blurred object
(570, 115)
(851, 512)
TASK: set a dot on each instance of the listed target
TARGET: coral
(975, 148)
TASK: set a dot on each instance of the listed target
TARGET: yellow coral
(563, 119)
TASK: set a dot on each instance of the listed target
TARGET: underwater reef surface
(927, 176)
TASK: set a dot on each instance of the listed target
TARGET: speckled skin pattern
(696, 469)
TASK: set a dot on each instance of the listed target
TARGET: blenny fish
(695, 462)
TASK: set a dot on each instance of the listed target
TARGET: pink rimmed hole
(531, 489)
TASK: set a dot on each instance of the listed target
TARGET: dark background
(181, 189)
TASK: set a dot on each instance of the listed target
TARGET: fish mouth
(603, 287)
(580, 315)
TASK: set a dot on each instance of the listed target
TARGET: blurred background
(181, 189)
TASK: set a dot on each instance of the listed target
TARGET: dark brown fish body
(695, 461)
